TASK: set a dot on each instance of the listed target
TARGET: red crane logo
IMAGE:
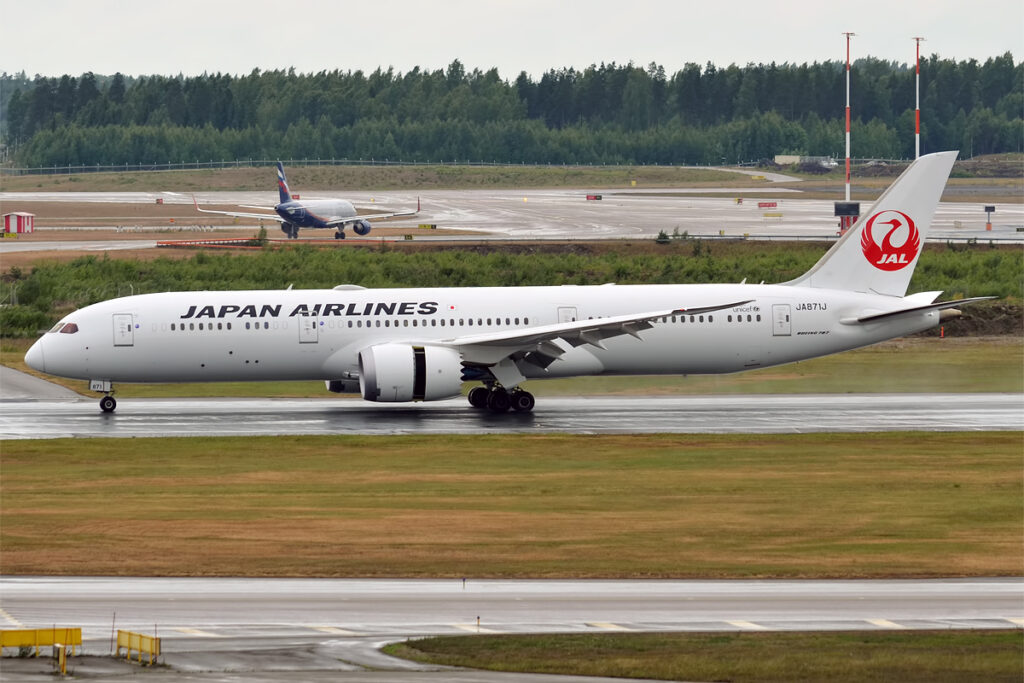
(886, 255)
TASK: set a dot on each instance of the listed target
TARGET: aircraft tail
(879, 253)
(282, 184)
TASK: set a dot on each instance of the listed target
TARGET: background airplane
(293, 214)
(398, 345)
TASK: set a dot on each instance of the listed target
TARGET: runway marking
(197, 632)
(748, 625)
(473, 628)
(885, 623)
(1013, 620)
(608, 626)
(333, 630)
(10, 620)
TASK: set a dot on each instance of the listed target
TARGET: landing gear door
(781, 325)
(309, 329)
(566, 314)
(124, 330)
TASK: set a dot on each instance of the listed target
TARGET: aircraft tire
(522, 401)
(108, 404)
(498, 401)
(339, 235)
(478, 397)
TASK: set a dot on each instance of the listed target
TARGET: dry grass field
(829, 505)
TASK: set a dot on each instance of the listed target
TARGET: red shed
(19, 222)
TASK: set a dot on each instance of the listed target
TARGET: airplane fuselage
(318, 334)
(314, 213)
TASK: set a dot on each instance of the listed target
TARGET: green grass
(840, 657)
(875, 505)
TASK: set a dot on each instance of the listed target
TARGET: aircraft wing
(240, 214)
(366, 217)
(490, 348)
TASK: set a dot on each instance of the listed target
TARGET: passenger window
(172, 327)
(200, 326)
(229, 326)
(526, 321)
(691, 318)
(517, 321)
(702, 318)
(387, 323)
(759, 317)
(220, 326)
(748, 317)
(192, 326)
(266, 325)
(729, 319)
(70, 328)
(350, 323)
(711, 318)
(442, 322)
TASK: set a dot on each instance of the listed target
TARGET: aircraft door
(567, 314)
(309, 329)
(124, 330)
(781, 324)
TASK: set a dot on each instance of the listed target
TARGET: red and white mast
(848, 34)
(917, 99)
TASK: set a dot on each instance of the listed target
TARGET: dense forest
(602, 114)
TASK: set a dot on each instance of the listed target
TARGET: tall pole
(848, 34)
(917, 98)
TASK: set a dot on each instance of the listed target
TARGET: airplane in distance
(293, 214)
(421, 344)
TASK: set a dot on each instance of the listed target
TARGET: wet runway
(339, 624)
(772, 414)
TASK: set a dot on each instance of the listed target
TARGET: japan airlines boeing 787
(293, 214)
(396, 345)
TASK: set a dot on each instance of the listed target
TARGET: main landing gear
(290, 231)
(498, 399)
(339, 235)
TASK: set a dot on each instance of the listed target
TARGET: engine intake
(361, 227)
(393, 373)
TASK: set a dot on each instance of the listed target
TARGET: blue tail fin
(282, 184)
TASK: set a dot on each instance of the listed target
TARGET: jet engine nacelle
(392, 373)
(361, 227)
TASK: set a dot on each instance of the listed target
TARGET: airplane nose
(34, 358)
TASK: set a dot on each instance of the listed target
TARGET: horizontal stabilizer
(938, 306)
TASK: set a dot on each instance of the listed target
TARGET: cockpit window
(70, 328)
(56, 327)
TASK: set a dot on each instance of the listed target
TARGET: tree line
(602, 114)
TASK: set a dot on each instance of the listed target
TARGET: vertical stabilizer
(282, 184)
(879, 253)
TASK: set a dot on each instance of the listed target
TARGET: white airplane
(293, 214)
(398, 345)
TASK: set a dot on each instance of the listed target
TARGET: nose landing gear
(108, 404)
